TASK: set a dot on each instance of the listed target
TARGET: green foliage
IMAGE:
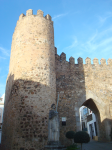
(72, 147)
(111, 134)
(70, 134)
(81, 137)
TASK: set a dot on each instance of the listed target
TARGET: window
(85, 111)
(63, 121)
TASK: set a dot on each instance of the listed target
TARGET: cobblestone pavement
(93, 145)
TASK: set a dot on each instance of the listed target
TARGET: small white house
(88, 121)
(1, 113)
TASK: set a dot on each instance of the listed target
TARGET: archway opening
(90, 119)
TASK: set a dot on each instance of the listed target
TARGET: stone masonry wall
(98, 80)
(70, 85)
(31, 83)
(77, 83)
(37, 74)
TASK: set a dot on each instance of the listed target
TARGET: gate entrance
(88, 122)
(103, 122)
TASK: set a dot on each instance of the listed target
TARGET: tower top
(40, 13)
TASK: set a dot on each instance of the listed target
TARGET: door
(91, 131)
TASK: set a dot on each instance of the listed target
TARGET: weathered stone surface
(31, 83)
(53, 127)
(37, 74)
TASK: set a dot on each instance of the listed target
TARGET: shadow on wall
(104, 126)
(70, 83)
(107, 124)
(25, 122)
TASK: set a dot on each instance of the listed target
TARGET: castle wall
(71, 86)
(37, 74)
(77, 83)
(33, 79)
(98, 81)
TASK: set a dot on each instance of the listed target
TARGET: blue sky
(82, 28)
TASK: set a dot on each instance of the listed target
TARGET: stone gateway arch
(37, 74)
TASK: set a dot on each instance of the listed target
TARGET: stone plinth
(55, 147)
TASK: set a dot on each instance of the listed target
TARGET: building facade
(88, 122)
(37, 74)
(1, 114)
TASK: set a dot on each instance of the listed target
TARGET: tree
(70, 135)
(111, 134)
(81, 137)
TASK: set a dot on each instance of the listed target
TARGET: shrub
(72, 147)
(81, 137)
(111, 134)
(70, 134)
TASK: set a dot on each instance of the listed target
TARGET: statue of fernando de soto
(53, 125)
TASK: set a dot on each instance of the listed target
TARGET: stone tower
(31, 83)
(37, 74)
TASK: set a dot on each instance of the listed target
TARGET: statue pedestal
(54, 146)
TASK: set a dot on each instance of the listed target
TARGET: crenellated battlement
(48, 17)
(40, 13)
(21, 16)
(37, 74)
(96, 62)
(71, 63)
(63, 57)
(71, 60)
(29, 12)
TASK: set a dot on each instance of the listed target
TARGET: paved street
(97, 146)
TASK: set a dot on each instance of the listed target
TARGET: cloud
(103, 19)
(58, 16)
(105, 42)
(2, 57)
(97, 45)
(5, 51)
(74, 44)
(106, 49)
(92, 38)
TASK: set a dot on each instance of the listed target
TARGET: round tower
(33, 79)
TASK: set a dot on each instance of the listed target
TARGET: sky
(82, 28)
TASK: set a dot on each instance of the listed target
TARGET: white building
(1, 113)
(88, 121)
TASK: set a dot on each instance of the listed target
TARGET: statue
(53, 126)
(53, 130)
